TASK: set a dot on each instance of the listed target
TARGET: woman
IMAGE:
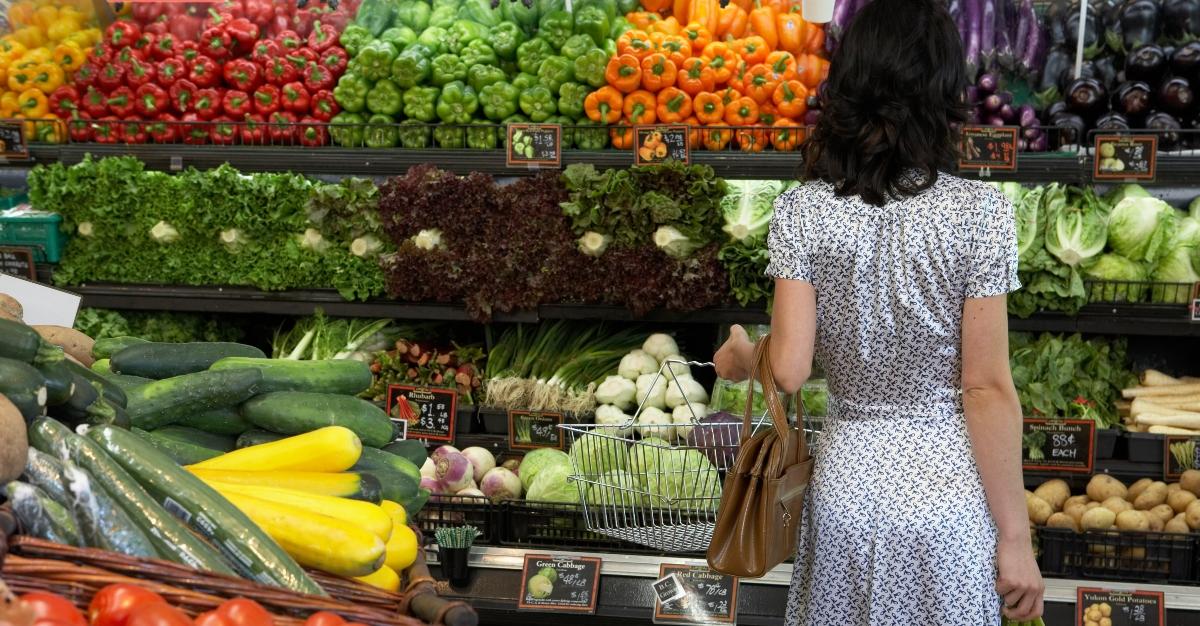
(894, 274)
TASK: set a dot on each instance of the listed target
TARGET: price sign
(12, 141)
(18, 262)
(1180, 455)
(559, 583)
(694, 594)
(534, 429)
(1094, 607)
(534, 145)
(988, 148)
(1058, 445)
(656, 144)
(1196, 302)
(1124, 157)
(424, 412)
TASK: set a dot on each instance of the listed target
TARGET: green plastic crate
(39, 231)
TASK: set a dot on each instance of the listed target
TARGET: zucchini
(22, 343)
(113, 392)
(198, 437)
(165, 360)
(410, 449)
(329, 449)
(45, 472)
(342, 376)
(372, 459)
(41, 516)
(60, 382)
(224, 421)
(337, 484)
(364, 515)
(295, 412)
(87, 405)
(102, 522)
(25, 387)
(127, 383)
(108, 346)
(101, 367)
(256, 437)
(164, 402)
(182, 452)
(414, 505)
(168, 535)
(252, 552)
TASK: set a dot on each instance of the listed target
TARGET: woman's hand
(733, 359)
(1019, 581)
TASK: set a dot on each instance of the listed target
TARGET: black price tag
(1180, 455)
(18, 262)
(656, 144)
(534, 145)
(423, 412)
(1196, 302)
(1058, 445)
(12, 141)
(988, 148)
(707, 597)
(1125, 157)
(534, 429)
(559, 583)
(1097, 607)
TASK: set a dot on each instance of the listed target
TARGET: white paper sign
(42, 304)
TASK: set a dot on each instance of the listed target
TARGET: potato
(14, 446)
(1137, 488)
(1180, 500)
(1055, 492)
(1116, 504)
(12, 307)
(1039, 510)
(1151, 497)
(1102, 487)
(1192, 515)
(1076, 511)
(1132, 520)
(1178, 524)
(1156, 523)
(1191, 481)
(1063, 520)
(1091, 505)
(1164, 512)
(70, 340)
(1105, 621)
(1172, 488)
(1105, 609)
(1073, 500)
(1099, 518)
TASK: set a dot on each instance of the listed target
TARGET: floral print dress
(896, 528)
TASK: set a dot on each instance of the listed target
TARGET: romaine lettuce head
(1139, 229)
(1078, 231)
(1116, 268)
(1194, 208)
(1029, 231)
(747, 208)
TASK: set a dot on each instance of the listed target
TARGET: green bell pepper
(570, 99)
(482, 136)
(591, 136)
(576, 46)
(400, 36)
(381, 132)
(566, 123)
(449, 136)
(448, 4)
(415, 137)
(346, 129)
(478, 52)
(548, 6)
(385, 97)
(589, 67)
(480, 76)
(520, 13)
(420, 103)
(443, 17)
(499, 100)
(555, 71)
(505, 37)
(462, 33)
(556, 27)
(412, 67)
(524, 81)
(479, 11)
(620, 26)
(354, 38)
(434, 38)
(374, 61)
(592, 21)
(448, 68)
(374, 15)
(351, 92)
(457, 103)
(538, 103)
(414, 14)
(607, 7)
(531, 54)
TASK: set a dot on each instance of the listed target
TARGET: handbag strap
(765, 376)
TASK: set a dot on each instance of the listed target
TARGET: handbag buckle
(787, 516)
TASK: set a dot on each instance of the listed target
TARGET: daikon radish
(1171, 430)
(1181, 389)
(1144, 406)
(1155, 378)
(1191, 421)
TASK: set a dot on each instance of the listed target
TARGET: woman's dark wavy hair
(892, 103)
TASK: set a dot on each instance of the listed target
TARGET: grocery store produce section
(398, 311)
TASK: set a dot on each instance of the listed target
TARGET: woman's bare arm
(793, 333)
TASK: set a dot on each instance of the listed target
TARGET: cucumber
(22, 343)
(414, 506)
(295, 412)
(25, 387)
(102, 522)
(101, 367)
(45, 472)
(394, 485)
(343, 376)
(50, 437)
(60, 383)
(254, 554)
(113, 392)
(164, 402)
(410, 449)
(226, 421)
(182, 452)
(41, 516)
(164, 360)
(224, 443)
(127, 383)
(255, 437)
(373, 459)
(108, 346)
(170, 537)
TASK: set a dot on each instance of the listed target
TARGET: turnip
(692, 391)
(652, 391)
(679, 369)
(481, 461)
(660, 346)
(637, 363)
(512, 465)
(500, 484)
(442, 451)
(454, 471)
(428, 470)
(471, 492)
(652, 422)
(616, 390)
(432, 485)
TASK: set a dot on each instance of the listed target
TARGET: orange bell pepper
(695, 76)
(791, 28)
(669, 26)
(782, 64)
(680, 10)
(708, 108)
(722, 60)
(759, 83)
(814, 38)
(673, 105)
(636, 43)
(728, 95)
(641, 20)
(741, 112)
(791, 98)
(695, 133)
(763, 24)
(752, 49)
(786, 135)
(604, 105)
(717, 137)
(624, 72)
(747, 5)
(809, 70)
(677, 48)
(698, 35)
(623, 136)
(767, 114)
(639, 107)
(658, 72)
(751, 139)
(706, 12)
(731, 22)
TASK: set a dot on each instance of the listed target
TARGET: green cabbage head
(537, 461)
(1114, 267)
(1139, 229)
(553, 484)
(1179, 264)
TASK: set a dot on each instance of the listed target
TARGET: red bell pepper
(265, 50)
(259, 11)
(164, 128)
(164, 47)
(183, 95)
(152, 100)
(254, 130)
(140, 73)
(302, 21)
(313, 133)
(217, 43)
(107, 130)
(244, 32)
(80, 128)
(302, 57)
(232, 7)
(322, 37)
(289, 40)
(133, 130)
(324, 106)
(169, 71)
(316, 77)
(204, 72)
(223, 131)
(186, 26)
(266, 99)
(86, 75)
(95, 103)
(295, 98)
(281, 21)
(158, 28)
(147, 12)
(282, 129)
(208, 103)
(145, 42)
(242, 74)
(64, 101)
(121, 101)
(216, 19)
(110, 77)
(99, 53)
(125, 56)
(193, 130)
(335, 60)
(122, 33)
(189, 50)
(280, 71)
(236, 103)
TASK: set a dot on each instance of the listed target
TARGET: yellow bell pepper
(48, 129)
(33, 104)
(30, 36)
(69, 56)
(9, 104)
(11, 47)
(3, 75)
(62, 28)
(37, 55)
(20, 77)
(45, 15)
(21, 14)
(48, 77)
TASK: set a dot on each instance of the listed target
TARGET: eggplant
(987, 83)
(995, 120)
(1139, 23)
(1072, 129)
(1037, 43)
(1106, 71)
(1027, 116)
(1175, 96)
(1132, 99)
(987, 33)
(1112, 121)
(1168, 139)
(1029, 134)
(973, 10)
(992, 103)
(1091, 33)
(1022, 145)
(1008, 114)
(974, 117)
(811, 117)
(1038, 145)
(1056, 21)
(1086, 96)
(1185, 61)
(1147, 64)
(1059, 64)
(972, 95)
(1181, 19)
(1057, 107)
(1004, 50)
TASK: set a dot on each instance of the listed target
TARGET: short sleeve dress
(896, 528)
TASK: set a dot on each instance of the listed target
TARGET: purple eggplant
(1106, 71)
(1112, 121)
(1072, 129)
(1138, 21)
(974, 16)
(1008, 114)
(1181, 19)
(1004, 52)
(992, 103)
(974, 116)
(987, 84)
(1058, 67)
(1038, 145)
(1185, 61)
(1175, 96)
(1027, 116)
(1168, 138)
(1022, 145)
(843, 11)
(1056, 22)
(1147, 63)
(1056, 108)
(1036, 46)
(1132, 99)
(995, 120)
(1029, 134)
(972, 95)
(811, 117)
(1091, 32)
(1086, 96)
(987, 33)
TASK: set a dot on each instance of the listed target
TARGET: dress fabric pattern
(896, 529)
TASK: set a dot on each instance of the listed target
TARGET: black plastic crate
(1106, 443)
(1145, 448)
(546, 525)
(1118, 555)
(451, 511)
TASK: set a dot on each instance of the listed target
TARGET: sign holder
(568, 584)
(694, 594)
(1125, 157)
(1188, 445)
(427, 413)
(13, 146)
(1070, 445)
(533, 145)
(655, 144)
(529, 430)
(1119, 607)
(987, 148)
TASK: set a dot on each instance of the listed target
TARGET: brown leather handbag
(763, 495)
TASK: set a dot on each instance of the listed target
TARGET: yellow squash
(401, 548)
(328, 449)
(336, 484)
(384, 578)
(367, 516)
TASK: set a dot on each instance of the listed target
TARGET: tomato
(243, 612)
(112, 605)
(52, 608)
(212, 618)
(324, 618)
(158, 614)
